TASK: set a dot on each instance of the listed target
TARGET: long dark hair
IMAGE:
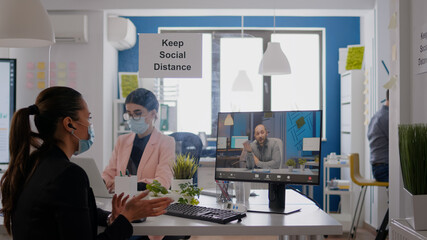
(26, 147)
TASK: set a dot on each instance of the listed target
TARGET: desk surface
(309, 221)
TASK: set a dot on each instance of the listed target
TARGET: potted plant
(188, 193)
(291, 164)
(183, 170)
(301, 162)
(413, 161)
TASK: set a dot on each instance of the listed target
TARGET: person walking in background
(379, 142)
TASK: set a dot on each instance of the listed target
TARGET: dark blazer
(58, 203)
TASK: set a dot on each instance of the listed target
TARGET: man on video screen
(262, 152)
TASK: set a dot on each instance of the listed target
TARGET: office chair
(357, 178)
(189, 143)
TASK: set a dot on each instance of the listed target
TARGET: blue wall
(340, 32)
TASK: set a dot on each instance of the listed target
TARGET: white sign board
(170, 55)
(422, 52)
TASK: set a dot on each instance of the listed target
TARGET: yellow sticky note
(355, 58)
(366, 81)
(366, 101)
(366, 72)
(393, 21)
(394, 52)
(62, 83)
(41, 75)
(366, 91)
(41, 84)
(366, 122)
(366, 112)
(40, 65)
(62, 74)
(62, 65)
(391, 82)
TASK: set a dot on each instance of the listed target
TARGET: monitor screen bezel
(314, 183)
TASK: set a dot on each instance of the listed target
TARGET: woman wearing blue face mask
(145, 152)
(44, 195)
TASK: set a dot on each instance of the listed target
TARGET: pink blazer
(155, 161)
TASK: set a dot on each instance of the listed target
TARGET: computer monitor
(7, 103)
(283, 147)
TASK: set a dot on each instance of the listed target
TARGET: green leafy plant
(189, 193)
(413, 157)
(184, 167)
(302, 161)
(156, 188)
(290, 163)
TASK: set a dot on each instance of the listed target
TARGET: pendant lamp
(228, 120)
(24, 23)
(242, 83)
(274, 61)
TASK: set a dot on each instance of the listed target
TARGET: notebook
(96, 182)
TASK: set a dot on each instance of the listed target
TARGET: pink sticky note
(52, 82)
(72, 66)
(30, 66)
(52, 74)
(30, 75)
(29, 84)
(52, 65)
(72, 84)
(72, 75)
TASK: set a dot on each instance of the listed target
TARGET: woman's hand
(118, 205)
(110, 186)
(137, 208)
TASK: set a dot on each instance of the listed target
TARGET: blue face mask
(85, 144)
(138, 126)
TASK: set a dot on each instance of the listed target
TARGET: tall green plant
(184, 167)
(413, 157)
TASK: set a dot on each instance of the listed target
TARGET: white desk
(309, 221)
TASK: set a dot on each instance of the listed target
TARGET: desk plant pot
(413, 161)
(291, 164)
(183, 170)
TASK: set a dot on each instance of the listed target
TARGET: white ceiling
(134, 5)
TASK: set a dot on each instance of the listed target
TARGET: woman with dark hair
(145, 152)
(44, 195)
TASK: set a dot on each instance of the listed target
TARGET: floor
(362, 233)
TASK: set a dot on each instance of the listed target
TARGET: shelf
(337, 165)
(337, 192)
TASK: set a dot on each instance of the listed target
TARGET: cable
(296, 190)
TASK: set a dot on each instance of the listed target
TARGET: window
(225, 53)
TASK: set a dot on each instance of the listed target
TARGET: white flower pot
(416, 212)
(175, 183)
(290, 168)
(302, 166)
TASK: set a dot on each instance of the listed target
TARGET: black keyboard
(204, 213)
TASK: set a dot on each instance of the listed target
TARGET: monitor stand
(276, 197)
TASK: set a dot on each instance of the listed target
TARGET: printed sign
(422, 53)
(170, 55)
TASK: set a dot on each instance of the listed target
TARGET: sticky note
(72, 75)
(52, 82)
(62, 74)
(30, 66)
(366, 81)
(366, 122)
(355, 58)
(29, 84)
(40, 65)
(62, 66)
(366, 101)
(41, 84)
(41, 75)
(52, 74)
(366, 112)
(366, 91)
(62, 83)
(72, 84)
(30, 75)
(52, 65)
(393, 21)
(72, 66)
(391, 82)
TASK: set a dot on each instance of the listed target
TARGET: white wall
(92, 81)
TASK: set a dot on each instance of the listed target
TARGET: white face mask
(138, 126)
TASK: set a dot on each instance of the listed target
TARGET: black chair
(189, 143)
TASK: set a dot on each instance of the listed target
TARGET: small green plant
(413, 157)
(189, 193)
(184, 167)
(290, 163)
(156, 188)
(302, 161)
